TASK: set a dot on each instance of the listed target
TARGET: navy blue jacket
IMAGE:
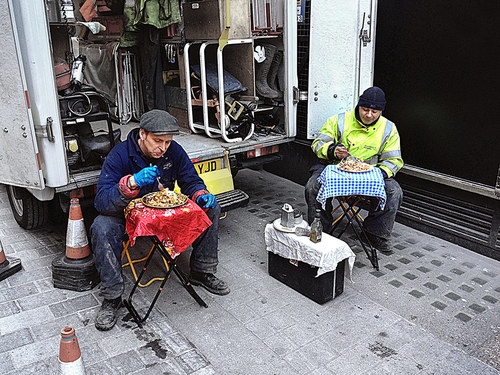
(126, 158)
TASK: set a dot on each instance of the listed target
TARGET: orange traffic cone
(8, 265)
(70, 357)
(76, 269)
(77, 243)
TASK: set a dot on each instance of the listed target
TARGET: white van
(43, 153)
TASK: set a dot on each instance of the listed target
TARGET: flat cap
(159, 122)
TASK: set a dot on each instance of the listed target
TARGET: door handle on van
(298, 95)
(45, 130)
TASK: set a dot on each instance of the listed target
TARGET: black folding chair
(171, 266)
(351, 206)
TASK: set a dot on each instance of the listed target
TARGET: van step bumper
(232, 199)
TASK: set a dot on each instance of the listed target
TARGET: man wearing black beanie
(363, 133)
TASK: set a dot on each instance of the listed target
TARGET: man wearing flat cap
(365, 134)
(131, 170)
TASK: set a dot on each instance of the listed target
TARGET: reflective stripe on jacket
(377, 144)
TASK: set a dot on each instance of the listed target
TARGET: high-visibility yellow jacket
(377, 144)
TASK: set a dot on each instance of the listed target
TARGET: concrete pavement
(433, 308)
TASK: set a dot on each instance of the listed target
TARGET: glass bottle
(316, 227)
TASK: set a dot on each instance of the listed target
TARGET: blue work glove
(146, 176)
(207, 201)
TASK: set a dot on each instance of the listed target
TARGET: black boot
(272, 80)
(210, 282)
(107, 316)
(262, 72)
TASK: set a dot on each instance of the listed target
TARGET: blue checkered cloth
(336, 183)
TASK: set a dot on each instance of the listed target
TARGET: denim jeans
(108, 233)
(378, 223)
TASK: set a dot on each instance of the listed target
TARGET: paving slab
(431, 309)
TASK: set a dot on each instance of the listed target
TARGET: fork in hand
(160, 185)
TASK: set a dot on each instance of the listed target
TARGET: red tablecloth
(177, 227)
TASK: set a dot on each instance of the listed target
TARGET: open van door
(19, 160)
(291, 88)
(31, 142)
(32, 155)
(341, 57)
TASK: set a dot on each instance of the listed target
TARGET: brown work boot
(210, 282)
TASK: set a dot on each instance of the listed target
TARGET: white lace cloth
(325, 254)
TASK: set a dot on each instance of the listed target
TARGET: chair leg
(371, 253)
(187, 285)
(131, 263)
(352, 215)
(170, 266)
(128, 302)
(337, 220)
(346, 210)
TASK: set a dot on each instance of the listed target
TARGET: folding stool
(170, 265)
(131, 263)
(351, 206)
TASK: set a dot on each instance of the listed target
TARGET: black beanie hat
(373, 98)
(159, 122)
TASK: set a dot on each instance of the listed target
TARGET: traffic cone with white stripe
(76, 269)
(77, 243)
(70, 356)
(8, 265)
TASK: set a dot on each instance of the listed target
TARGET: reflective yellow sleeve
(390, 159)
(327, 136)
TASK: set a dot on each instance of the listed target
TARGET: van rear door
(290, 56)
(31, 141)
(341, 57)
(19, 162)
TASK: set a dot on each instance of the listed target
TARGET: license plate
(208, 166)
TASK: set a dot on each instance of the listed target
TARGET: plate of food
(354, 165)
(164, 199)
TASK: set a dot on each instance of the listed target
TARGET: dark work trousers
(378, 223)
(108, 233)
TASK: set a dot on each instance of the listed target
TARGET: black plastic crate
(301, 277)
